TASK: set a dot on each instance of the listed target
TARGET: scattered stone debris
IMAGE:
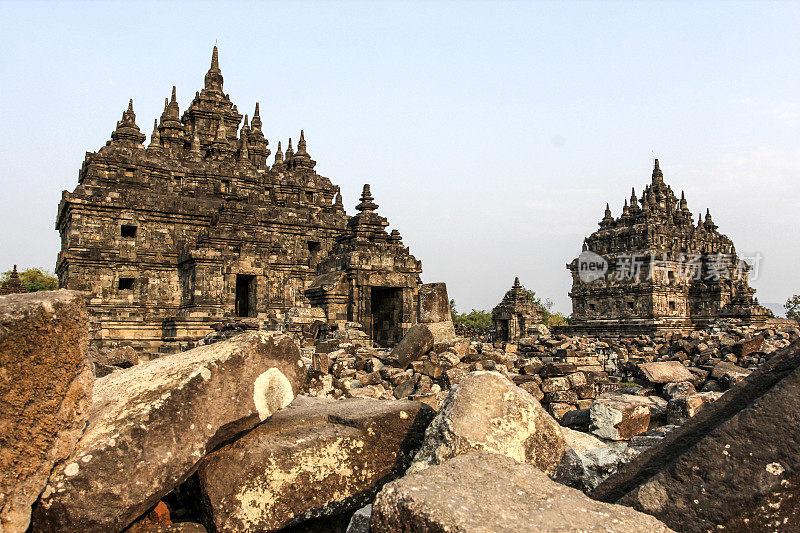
(268, 431)
(733, 466)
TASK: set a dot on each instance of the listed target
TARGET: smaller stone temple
(13, 284)
(515, 315)
(369, 277)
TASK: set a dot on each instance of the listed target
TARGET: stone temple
(664, 272)
(169, 239)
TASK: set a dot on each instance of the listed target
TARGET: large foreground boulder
(734, 466)
(486, 411)
(315, 458)
(45, 391)
(151, 424)
(487, 492)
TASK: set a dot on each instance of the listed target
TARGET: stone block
(665, 372)
(620, 416)
(421, 339)
(313, 459)
(488, 492)
(45, 392)
(434, 304)
(487, 411)
(682, 408)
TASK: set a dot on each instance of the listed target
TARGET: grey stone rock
(359, 523)
(620, 416)
(665, 372)
(150, 425)
(434, 304)
(486, 492)
(597, 459)
(682, 408)
(488, 412)
(45, 391)
(421, 339)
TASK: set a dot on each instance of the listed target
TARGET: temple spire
(155, 138)
(213, 80)
(301, 144)
(301, 158)
(289, 152)
(127, 131)
(278, 157)
(215, 58)
(517, 284)
(657, 174)
(256, 118)
(366, 205)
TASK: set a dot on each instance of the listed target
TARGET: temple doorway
(386, 313)
(502, 330)
(245, 299)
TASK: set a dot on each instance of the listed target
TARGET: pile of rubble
(229, 436)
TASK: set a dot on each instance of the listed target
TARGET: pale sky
(493, 133)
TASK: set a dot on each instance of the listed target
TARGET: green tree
(34, 279)
(792, 307)
(476, 319)
(548, 318)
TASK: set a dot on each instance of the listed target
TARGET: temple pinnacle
(174, 99)
(130, 105)
(215, 58)
(366, 205)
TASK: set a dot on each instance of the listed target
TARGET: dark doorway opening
(387, 312)
(502, 333)
(245, 297)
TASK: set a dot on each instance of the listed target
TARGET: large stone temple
(658, 271)
(168, 239)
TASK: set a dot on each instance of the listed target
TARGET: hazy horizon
(493, 134)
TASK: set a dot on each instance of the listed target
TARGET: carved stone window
(128, 231)
(126, 284)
